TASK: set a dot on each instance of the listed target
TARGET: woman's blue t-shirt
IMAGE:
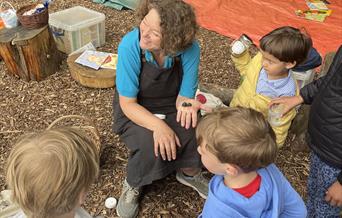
(129, 66)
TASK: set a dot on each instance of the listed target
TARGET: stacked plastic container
(75, 27)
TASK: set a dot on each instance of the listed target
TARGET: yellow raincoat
(246, 96)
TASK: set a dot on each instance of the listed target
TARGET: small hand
(334, 194)
(165, 141)
(289, 102)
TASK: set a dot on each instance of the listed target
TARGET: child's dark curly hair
(177, 22)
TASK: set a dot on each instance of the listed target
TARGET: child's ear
(290, 65)
(82, 197)
(231, 169)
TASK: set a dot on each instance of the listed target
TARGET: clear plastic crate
(303, 78)
(75, 27)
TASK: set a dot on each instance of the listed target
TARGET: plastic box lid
(75, 18)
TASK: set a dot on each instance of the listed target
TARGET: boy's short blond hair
(48, 171)
(239, 136)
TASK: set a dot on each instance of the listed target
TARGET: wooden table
(29, 54)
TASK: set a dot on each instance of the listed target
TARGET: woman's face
(150, 32)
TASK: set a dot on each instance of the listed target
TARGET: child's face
(210, 161)
(275, 68)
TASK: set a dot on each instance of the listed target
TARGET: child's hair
(239, 136)
(288, 44)
(48, 171)
(177, 21)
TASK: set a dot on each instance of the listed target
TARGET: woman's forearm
(139, 115)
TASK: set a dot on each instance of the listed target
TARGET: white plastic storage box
(303, 78)
(74, 27)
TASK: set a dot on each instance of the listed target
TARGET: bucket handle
(8, 4)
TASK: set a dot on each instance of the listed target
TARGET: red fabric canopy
(258, 17)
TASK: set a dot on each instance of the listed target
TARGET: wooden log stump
(101, 78)
(29, 54)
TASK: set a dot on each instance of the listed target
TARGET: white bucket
(9, 16)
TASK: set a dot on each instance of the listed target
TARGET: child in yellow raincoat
(266, 75)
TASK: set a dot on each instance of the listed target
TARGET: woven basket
(34, 21)
(90, 129)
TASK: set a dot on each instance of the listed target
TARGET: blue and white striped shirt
(275, 88)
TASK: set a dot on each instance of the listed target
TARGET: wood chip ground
(33, 106)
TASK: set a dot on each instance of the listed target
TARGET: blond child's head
(50, 172)
(240, 137)
(284, 48)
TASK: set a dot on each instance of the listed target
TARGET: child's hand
(240, 45)
(334, 194)
(289, 102)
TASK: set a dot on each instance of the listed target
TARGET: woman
(157, 73)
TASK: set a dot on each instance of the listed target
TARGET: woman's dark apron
(158, 91)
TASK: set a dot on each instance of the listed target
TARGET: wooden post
(29, 54)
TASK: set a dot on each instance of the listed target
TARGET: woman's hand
(165, 142)
(289, 102)
(187, 112)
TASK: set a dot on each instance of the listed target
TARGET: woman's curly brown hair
(177, 22)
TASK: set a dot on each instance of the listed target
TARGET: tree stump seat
(29, 54)
(86, 76)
